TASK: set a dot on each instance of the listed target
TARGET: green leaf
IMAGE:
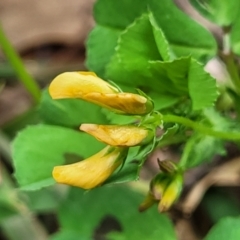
(69, 112)
(171, 77)
(223, 12)
(165, 84)
(161, 41)
(136, 45)
(37, 149)
(115, 71)
(202, 87)
(200, 149)
(174, 79)
(226, 228)
(162, 101)
(118, 14)
(44, 200)
(141, 42)
(171, 136)
(169, 133)
(185, 36)
(82, 213)
(69, 235)
(220, 122)
(101, 43)
(111, 21)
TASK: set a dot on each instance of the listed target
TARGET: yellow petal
(123, 103)
(92, 171)
(77, 84)
(118, 135)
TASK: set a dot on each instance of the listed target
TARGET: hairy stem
(201, 128)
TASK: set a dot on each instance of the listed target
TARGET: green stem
(201, 128)
(19, 67)
(187, 150)
(228, 58)
(233, 71)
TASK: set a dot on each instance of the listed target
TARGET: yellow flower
(92, 171)
(89, 87)
(165, 189)
(119, 135)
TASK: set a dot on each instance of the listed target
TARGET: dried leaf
(228, 174)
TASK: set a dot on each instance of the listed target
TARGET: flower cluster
(92, 172)
(95, 170)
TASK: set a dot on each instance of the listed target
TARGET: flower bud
(171, 193)
(165, 189)
(119, 135)
(167, 166)
(157, 188)
(92, 171)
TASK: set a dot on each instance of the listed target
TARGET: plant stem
(187, 150)
(19, 67)
(228, 58)
(201, 128)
